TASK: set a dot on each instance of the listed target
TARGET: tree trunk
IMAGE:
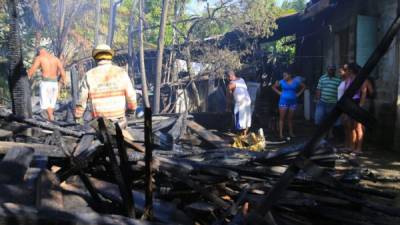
(131, 50)
(97, 25)
(178, 10)
(111, 21)
(38, 37)
(160, 51)
(18, 79)
(141, 53)
(61, 22)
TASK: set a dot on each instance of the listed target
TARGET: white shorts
(48, 94)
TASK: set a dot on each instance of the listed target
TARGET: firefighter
(107, 87)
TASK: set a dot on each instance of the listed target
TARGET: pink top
(344, 85)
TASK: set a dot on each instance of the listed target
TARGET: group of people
(330, 89)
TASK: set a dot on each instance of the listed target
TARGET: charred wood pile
(169, 169)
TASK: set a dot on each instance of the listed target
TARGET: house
(340, 31)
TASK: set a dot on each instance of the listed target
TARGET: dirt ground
(383, 164)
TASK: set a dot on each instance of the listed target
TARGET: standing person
(51, 67)
(326, 94)
(290, 90)
(354, 131)
(107, 87)
(237, 89)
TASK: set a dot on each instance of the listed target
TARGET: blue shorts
(322, 110)
(290, 106)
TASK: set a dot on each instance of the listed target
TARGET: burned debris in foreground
(101, 175)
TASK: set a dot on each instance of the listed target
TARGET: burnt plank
(115, 170)
(163, 211)
(126, 171)
(16, 193)
(11, 214)
(48, 192)
(84, 143)
(40, 149)
(148, 142)
(208, 136)
(15, 164)
(4, 134)
(46, 125)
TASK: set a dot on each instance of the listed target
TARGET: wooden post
(126, 193)
(125, 169)
(74, 86)
(148, 141)
(18, 79)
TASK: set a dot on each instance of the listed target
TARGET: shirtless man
(50, 66)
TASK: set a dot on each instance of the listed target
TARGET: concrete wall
(386, 105)
(387, 77)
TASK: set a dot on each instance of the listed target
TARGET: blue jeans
(322, 110)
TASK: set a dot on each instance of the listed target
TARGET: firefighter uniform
(107, 87)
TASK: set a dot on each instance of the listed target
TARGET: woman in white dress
(237, 89)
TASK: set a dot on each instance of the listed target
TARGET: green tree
(296, 5)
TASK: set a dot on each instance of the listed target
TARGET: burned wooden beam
(115, 170)
(11, 214)
(148, 136)
(18, 77)
(45, 125)
(15, 164)
(48, 191)
(163, 211)
(207, 135)
(126, 171)
(40, 149)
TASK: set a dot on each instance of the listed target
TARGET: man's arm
(318, 91)
(60, 68)
(35, 66)
(229, 95)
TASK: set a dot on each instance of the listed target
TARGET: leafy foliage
(296, 5)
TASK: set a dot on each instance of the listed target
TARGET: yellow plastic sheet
(252, 141)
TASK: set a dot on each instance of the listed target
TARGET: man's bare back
(50, 66)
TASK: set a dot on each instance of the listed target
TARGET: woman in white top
(237, 89)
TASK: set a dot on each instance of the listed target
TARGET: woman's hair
(231, 71)
(353, 67)
(289, 72)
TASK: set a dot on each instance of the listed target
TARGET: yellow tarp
(253, 142)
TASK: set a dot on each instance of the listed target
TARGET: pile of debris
(61, 173)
